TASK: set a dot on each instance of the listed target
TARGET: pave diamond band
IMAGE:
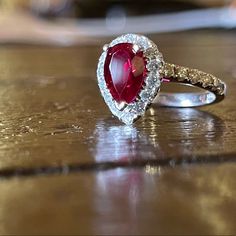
(131, 71)
(214, 88)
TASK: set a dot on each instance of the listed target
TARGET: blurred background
(53, 121)
(70, 22)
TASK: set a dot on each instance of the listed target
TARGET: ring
(131, 71)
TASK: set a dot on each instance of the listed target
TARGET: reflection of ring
(130, 72)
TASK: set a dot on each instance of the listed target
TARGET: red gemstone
(124, 72)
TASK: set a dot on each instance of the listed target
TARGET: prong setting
(121, 105)
(135, 47)
(105, 47)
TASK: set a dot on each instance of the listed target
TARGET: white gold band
(212, 88)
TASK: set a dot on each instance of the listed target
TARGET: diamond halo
(128, 113)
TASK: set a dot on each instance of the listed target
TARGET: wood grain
(125, 180)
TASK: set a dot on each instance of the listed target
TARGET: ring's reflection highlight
(163, 133)
(122, 143)
(122, 192)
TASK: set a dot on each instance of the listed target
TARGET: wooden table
(68, 167)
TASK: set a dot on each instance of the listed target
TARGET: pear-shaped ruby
(124, 71)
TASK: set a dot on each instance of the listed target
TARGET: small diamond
(145, 95)
(216, 82)
(194, 76)
(169, 70)
(207, 80)
(153, 65)
(138, 108)
(181, 73)
(128, 119)
(151, 54)
(221, 88)
(152, 77)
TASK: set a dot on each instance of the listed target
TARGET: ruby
(124, 71)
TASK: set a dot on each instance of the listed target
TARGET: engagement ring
(130, 72)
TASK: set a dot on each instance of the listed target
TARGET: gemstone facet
(124, 72)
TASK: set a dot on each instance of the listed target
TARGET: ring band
(214, 88)
(130, 73)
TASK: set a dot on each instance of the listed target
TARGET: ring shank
(185, 99)
(211, 90)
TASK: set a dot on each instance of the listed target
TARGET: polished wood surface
(68, 167)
